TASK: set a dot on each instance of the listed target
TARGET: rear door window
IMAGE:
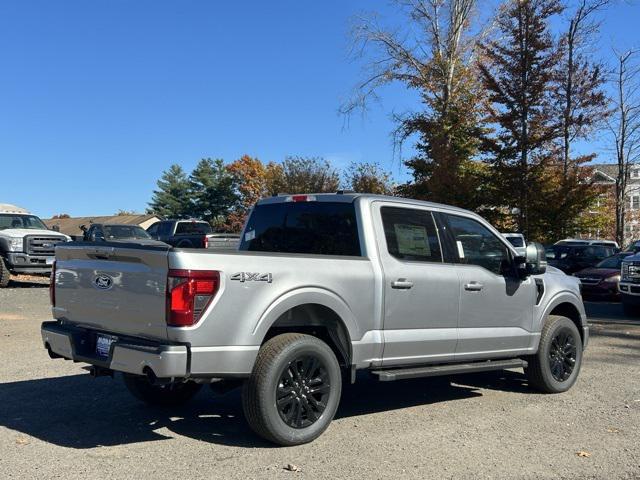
(322, 228)
(411, 234)
(164, 229)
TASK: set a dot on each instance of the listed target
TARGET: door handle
(402, 284)
(473, 286)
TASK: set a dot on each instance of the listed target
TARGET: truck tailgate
(119, 288)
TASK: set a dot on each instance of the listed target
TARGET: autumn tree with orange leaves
(250, 178)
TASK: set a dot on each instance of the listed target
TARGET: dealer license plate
(103, 345)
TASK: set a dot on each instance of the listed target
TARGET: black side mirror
(534, 262)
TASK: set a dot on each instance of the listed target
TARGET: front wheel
(555, 367)
(294, 389)
(169, 395)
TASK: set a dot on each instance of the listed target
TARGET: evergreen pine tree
(518, 71)
(212, 191)
(172, 198)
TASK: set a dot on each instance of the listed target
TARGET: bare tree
(581, 97)
(435, 61)
(428, 63)
(625, 128)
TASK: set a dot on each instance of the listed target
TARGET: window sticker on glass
(250, 235)
(412, 240)
(460, 249)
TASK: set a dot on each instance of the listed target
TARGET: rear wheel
(169, 395)
(555, 367)
(294, 389)
(5, 275)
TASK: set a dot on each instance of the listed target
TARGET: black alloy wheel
(562, 355)
(303, 391)
(294, 389)
(554, 368)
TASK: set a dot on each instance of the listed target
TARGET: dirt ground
(57, 422)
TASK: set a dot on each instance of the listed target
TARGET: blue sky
(97, 98)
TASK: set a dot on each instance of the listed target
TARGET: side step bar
(453, 369)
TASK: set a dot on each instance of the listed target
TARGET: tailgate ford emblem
(103, 282)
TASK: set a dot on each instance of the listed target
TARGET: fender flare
(304, 296)
(565, 296)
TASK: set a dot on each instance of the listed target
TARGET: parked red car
(602, 280)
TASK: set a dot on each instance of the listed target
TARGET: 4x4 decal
(252, 277)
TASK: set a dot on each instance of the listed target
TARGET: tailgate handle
(103, 253)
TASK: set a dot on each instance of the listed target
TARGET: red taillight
(52, 285)
(205, 241)
(189, 293)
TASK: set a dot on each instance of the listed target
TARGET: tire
(555, 368)
(5, 275)
(170, 395)
(294, 390)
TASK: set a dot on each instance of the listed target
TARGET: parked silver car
(323, 285)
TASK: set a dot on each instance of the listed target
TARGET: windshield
(633, 246)
(29, 222)
(614, 262)
(124, 231)
(516, 241)
(560, 252)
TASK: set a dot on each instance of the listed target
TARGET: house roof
(8, 208)
(71, 226)
(607, 169)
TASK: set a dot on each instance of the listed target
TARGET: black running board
(452, 369)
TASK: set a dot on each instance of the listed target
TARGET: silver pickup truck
(322, 285)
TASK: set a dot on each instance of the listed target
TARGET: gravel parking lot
(57, 422)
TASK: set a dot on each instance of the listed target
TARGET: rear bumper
(137, 356)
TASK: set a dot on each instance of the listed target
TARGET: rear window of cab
(320, 228)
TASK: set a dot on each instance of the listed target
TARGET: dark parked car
(117, 232)
(602, 280)
(633, 247)
(573, 258)
(192, 234)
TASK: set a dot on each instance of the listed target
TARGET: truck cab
(27, 246)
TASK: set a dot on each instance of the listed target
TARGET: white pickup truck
(27, 246)
(322, 285)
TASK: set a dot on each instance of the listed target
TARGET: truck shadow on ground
(80, 412)
(35, 282)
